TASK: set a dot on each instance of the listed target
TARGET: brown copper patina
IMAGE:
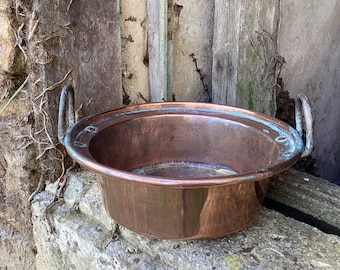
(181, 170)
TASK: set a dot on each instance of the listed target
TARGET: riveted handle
(66, 93)
(306, 112)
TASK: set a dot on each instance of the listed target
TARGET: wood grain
(225, 51)
(309, 194)
(157, 44)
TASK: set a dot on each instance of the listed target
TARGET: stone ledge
(79, 242)
(82, 192)
(84, 240)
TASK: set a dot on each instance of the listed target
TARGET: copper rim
(82, 133)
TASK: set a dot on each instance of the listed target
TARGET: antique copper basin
(182, 170)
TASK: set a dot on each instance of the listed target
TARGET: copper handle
(66, 93)
(302, 101)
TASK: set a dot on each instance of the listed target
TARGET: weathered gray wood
(308, 194)
(193, 39)
(82, 38)
(95, 54)
(73, 42)
(245, 59)
(157, 44)
(225, 51)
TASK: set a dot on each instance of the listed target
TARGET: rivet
(79, 144)
(280, 139)
(91, 129)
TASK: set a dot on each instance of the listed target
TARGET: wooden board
(96, 52)
(245, 62)
(308, 194)
(192, 51)
(227, 21)
(82, 38)
(157, 46)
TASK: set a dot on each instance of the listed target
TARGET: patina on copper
(181, 170)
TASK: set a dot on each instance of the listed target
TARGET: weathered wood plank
(84, 38)
(73, 42)
(193, 39)
(96, 52)
(245, 59)
(227, 22)
(259, 62)
(134, 51)
(308, 194)
(157, 44)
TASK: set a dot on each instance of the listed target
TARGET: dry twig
(69, 5)
(54, 85)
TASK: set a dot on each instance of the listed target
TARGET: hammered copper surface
(184, 203)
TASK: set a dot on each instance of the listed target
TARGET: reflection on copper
(184, 170)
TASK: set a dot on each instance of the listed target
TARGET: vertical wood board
(83, 38)
(225, 51)
(134, 51)
(96, 54)
(259, 62)
(157, 44)
(193, 37)
(244, 54)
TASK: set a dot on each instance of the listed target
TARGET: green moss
(246, 93)
(250, 54)
(233, 262)
(250, 97)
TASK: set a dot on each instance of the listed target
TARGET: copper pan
(181, 170)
